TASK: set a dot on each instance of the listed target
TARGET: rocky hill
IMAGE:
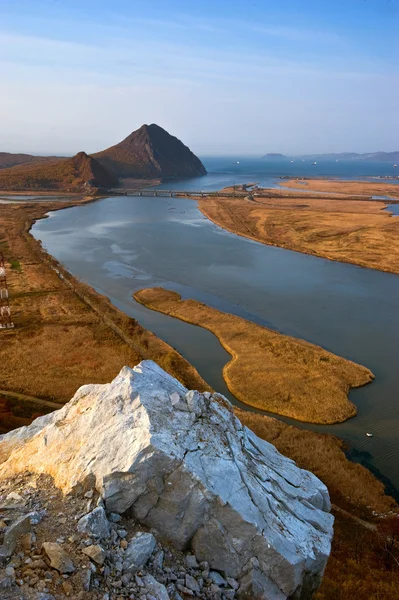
(72, 174)
(151, 152)
(142, 462)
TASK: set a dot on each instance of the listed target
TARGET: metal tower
(5, 312)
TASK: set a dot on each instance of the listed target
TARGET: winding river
(119, 245)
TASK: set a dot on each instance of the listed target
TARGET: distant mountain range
(368, 156)
(148, 153)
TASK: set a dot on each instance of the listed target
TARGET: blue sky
(227, 77)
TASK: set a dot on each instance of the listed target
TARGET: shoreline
(224, 216)
(322, 399)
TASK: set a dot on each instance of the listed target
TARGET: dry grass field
(61, 342)
(369, 188)
(269, 370)
(341, 229)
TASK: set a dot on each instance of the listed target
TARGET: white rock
(191, 471)
(138, 551)
(158, 590)
(95, 523)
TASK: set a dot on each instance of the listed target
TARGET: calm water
(119, 245)
(223, 171)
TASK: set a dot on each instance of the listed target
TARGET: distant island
(274, 156)
(368, 156)
(148, 153)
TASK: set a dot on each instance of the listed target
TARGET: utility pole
(5, 312)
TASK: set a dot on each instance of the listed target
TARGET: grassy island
(268, 370)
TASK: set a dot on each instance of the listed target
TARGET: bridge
(179, 193)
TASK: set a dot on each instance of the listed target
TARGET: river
(119, 245)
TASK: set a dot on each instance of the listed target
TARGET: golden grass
(345, 230)
(269, 370)
(370, 188)
(61, 342)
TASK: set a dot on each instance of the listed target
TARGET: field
(370, 188)
(65, 334)
(269, 370)
(339, 228)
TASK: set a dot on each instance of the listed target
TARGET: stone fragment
(158, 560)
(138, 552)
(114, 518)
(217, 578)
(96, 553)
(36, 517)
(191, 561)
(59, 559)
(232, 583)
(13, 533)
(95, 523)
(158, 590)
(14, 496)
(192, 584)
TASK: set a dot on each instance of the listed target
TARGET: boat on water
(315, 163)
(395, 166)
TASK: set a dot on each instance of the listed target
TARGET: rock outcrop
(149, 153)
(181, 463)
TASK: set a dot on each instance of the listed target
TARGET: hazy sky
(234, 77)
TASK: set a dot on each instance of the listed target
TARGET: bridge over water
(179, 193)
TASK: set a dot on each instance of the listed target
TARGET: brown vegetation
(269, 370)
(8, 160)
(66, 335)
(340, 229)
(60, 174)
(356, 568)
(369, 188)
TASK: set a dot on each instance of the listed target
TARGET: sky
(226, 77)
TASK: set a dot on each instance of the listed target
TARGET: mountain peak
(151, 152)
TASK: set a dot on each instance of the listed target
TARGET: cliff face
(62, 174)
(181, 463)
(151, 152)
